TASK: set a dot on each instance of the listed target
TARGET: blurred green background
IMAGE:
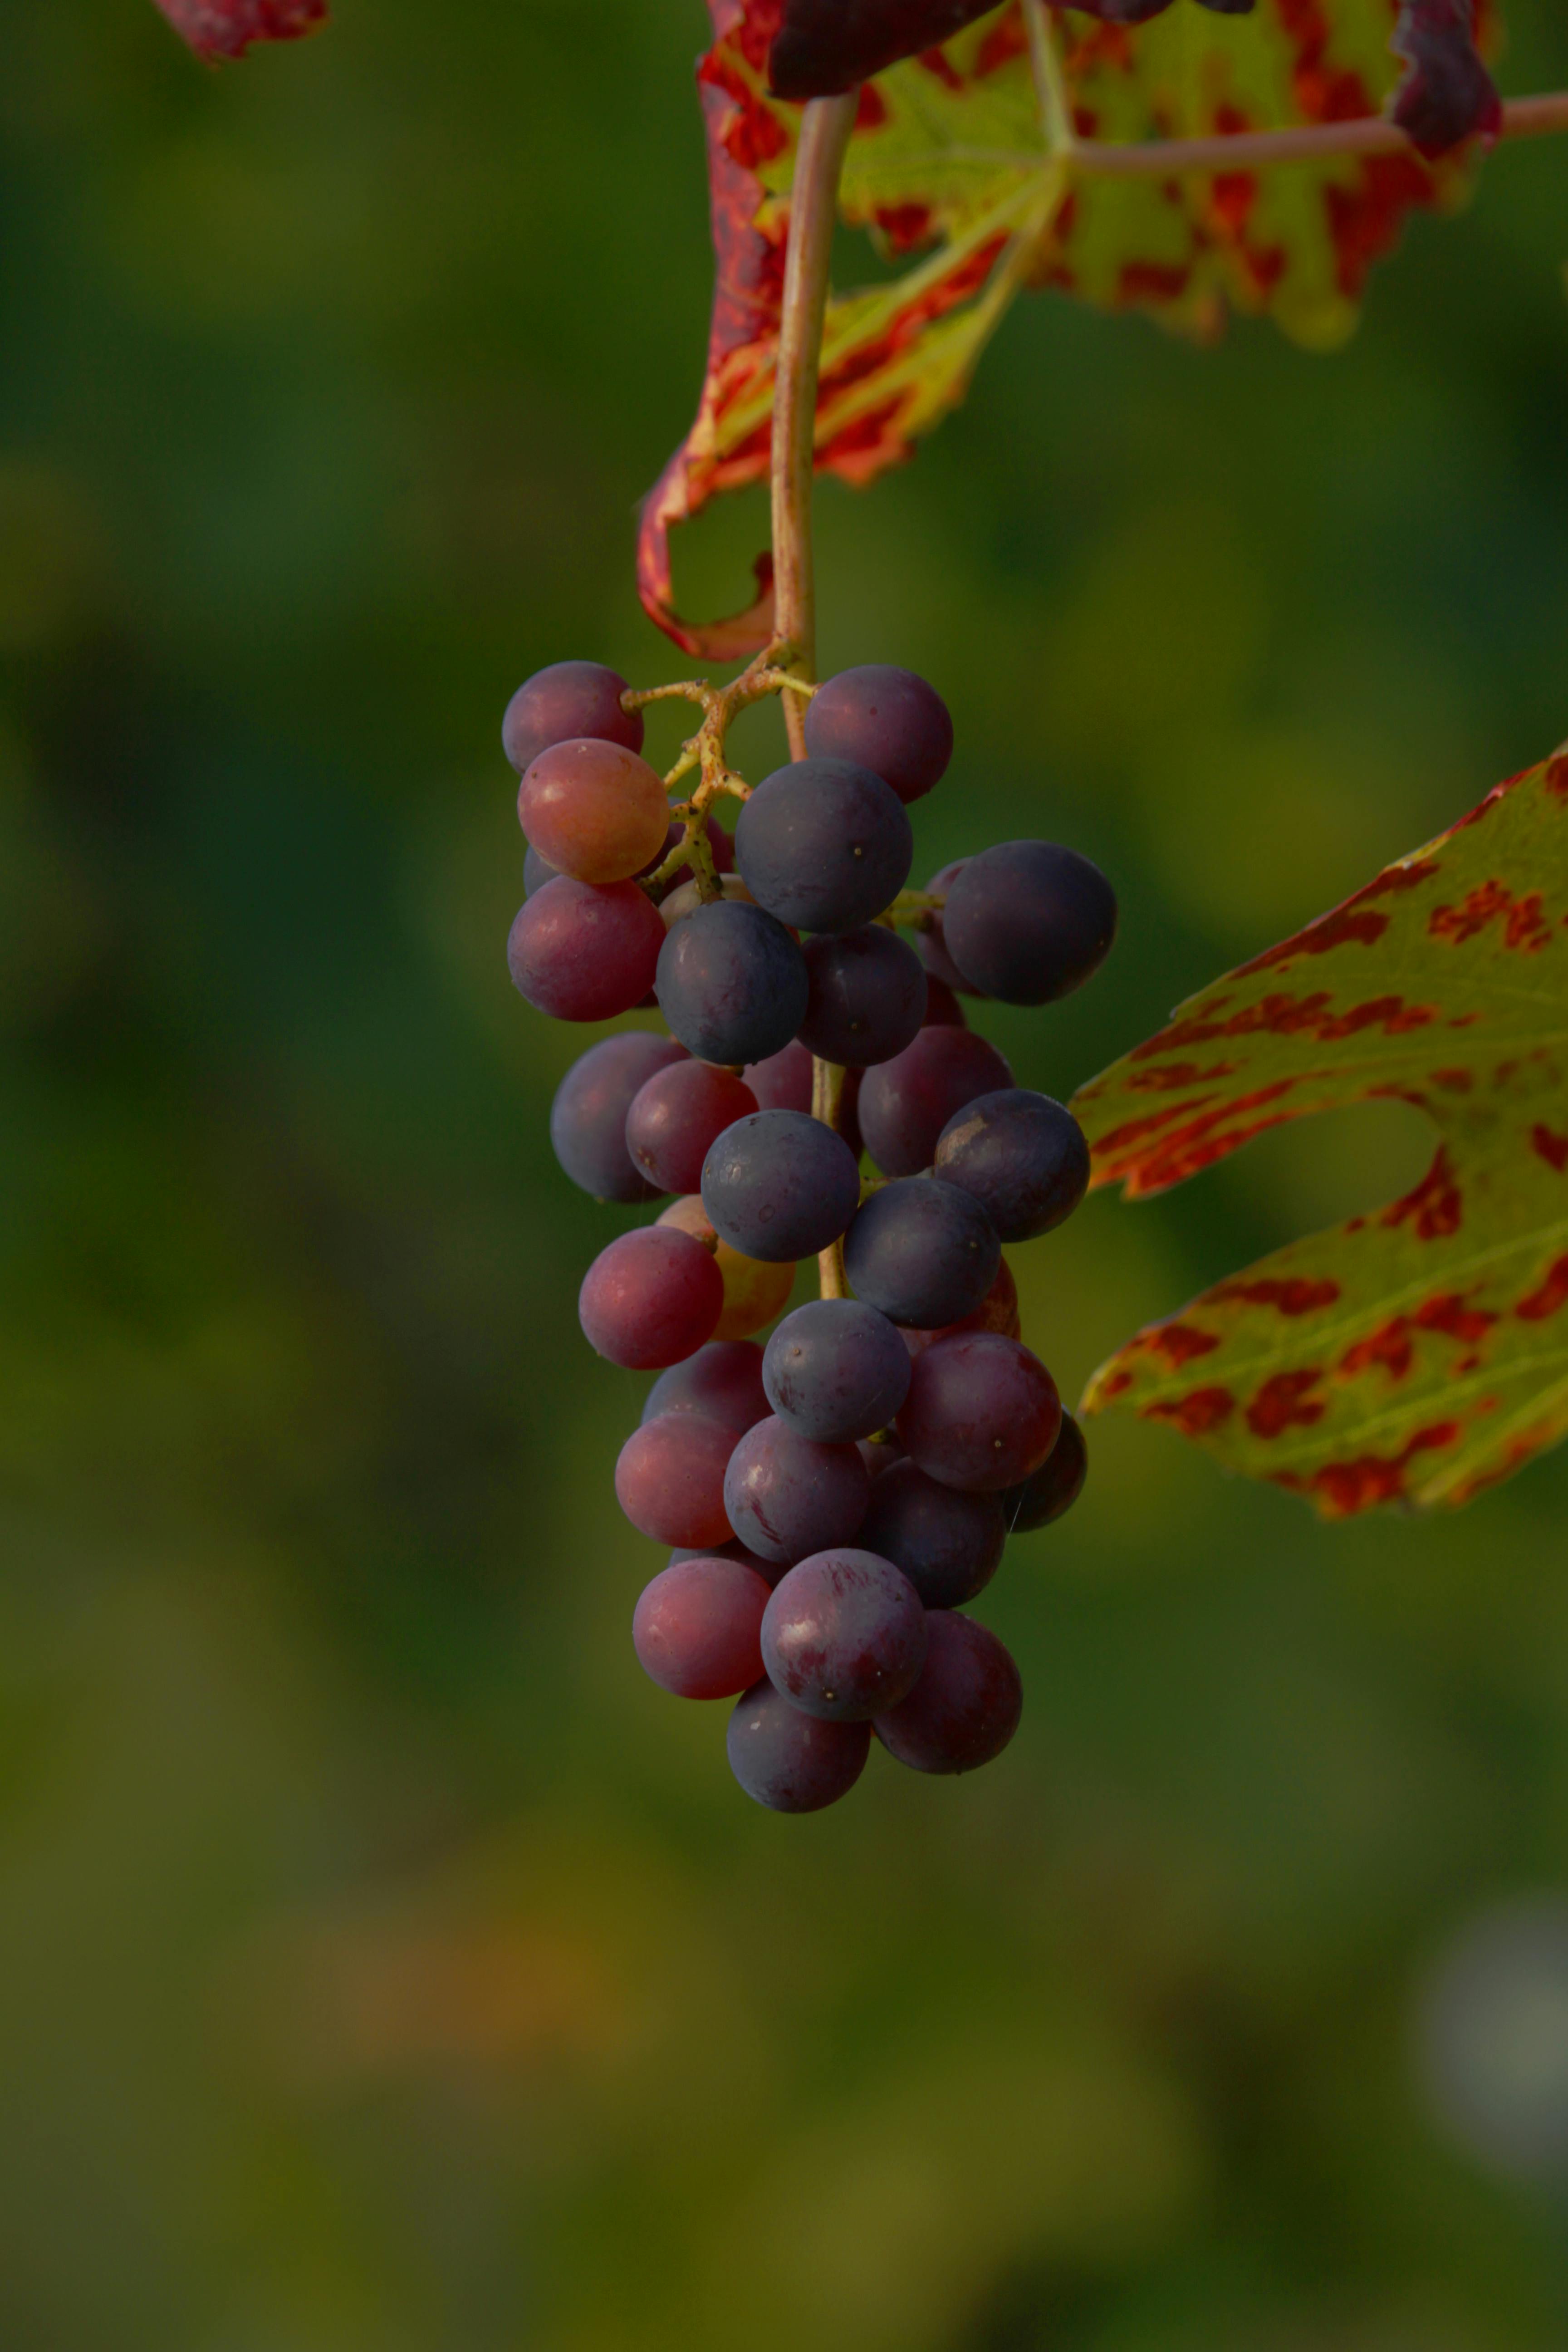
(384, 1965)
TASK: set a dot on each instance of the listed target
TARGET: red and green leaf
(225, 29)
(1420, 1352)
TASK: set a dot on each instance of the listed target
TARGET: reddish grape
(669, 1479)
(754, 1291)
(583, 953)
(787, 1496)
(1053, 1488)
(1029, 921)
(886, 718)
(650, 1299)
(944, 1010)
(594, 810)
(965, 1706)
(867, 996)
(723, 1381)
(905, 1103)
(570, 697)
(982, 1412)
(698, 1628)
(947, 1544)
(677, 1115)
(844, 1635)
(588, 1116)
(792, 1763)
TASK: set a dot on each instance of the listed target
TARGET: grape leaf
(951, 165)
(225, 29)
(1419, 1352)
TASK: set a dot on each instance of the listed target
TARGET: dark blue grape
(1055, 1486)
(779, 1186)
(824, 846)
(731, 984)
(1029, 921)
(792, 1762)
(922, 1252)
(588, 1116)
(844, 1635)
(965, 1706)
(1023, 1157)
(947, 1544)
(787, 1496)
(904, 1103)
(868, 998)
(836, 1370)
(722, 1379)
(569, 698)
(883, 718)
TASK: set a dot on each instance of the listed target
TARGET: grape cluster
(832, 1500)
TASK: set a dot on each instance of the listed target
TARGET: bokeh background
(384, 1965)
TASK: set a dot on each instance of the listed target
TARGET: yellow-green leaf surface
(1420, 1352)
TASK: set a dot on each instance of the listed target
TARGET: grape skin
(884, 719)
(650, 1298)
(823, 844)
(783, 1083)
(697, 1628)
(948, 1543)
(982, 1412)
(787, 1496)
(754, 1292)
(770, 1571)
(588, 1116)
(675, 1117)
(1053, 1488)
(844, 1635)
(730, 982)
(568, 698)
(582, 952)
(1023, 1156)
(905, 1104)
(594, 810)
(780, 1185)
(836, 1370)
(791, 1762)
(965, 1708)
(669, 1479)
(1029, 921)
(868, 998)
(722, 1380)
(921, 1252)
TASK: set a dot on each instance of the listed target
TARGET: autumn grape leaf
(225, 29)
(1419, 1352)
(952, 165)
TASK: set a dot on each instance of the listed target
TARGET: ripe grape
(594, 810)
(783, 1083)
(794, 1763)
(570, 697)
(944, 1010)
(965, 1706)
(731, 984)
(844, 1635)
(787, 1496)
(1023, 1157)
(696, 1629)
(982, 1412)
(947, 1544)
(887, 719)
(650, 1298)
(933, 945)
(867, 996)
(585, 953)
(588, 1116)
(922, 1252)
(1053, 1488)
(722, 1380)
(770, 1571)
(754, 1291)
(780, 1185)
(1029, 921)
(824, 846)
(677, 1116)
(836, 1370)
(905, 1103)
(997, 1312)
(879, 1454)
(669, 1479)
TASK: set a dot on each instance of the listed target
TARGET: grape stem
(769, 673)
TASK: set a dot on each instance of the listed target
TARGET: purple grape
(779, 1186)
(1029, 921)
(669, 1479)
(770, 1571)
(944, 1010)
(677, 1115)
(836, 1370)
(982, 1413)
(731, 984)
(824, 846)
(723, 1380)
(569, 698)
(867, 996)
(650, 1298)
(883, 718)
(965, 1706)
(792, 1763)
(947, 1544)
(939, 964)
(787, 1496)
(783, 1083)
(588, 1116)
(905, 1103)
(879, 1454)
(583, 952)
(697, 1628)
(844, 1635)
(1053, 1488)
(921, 1252)
(1023, 1157)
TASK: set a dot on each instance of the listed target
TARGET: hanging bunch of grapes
(835, 1499)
